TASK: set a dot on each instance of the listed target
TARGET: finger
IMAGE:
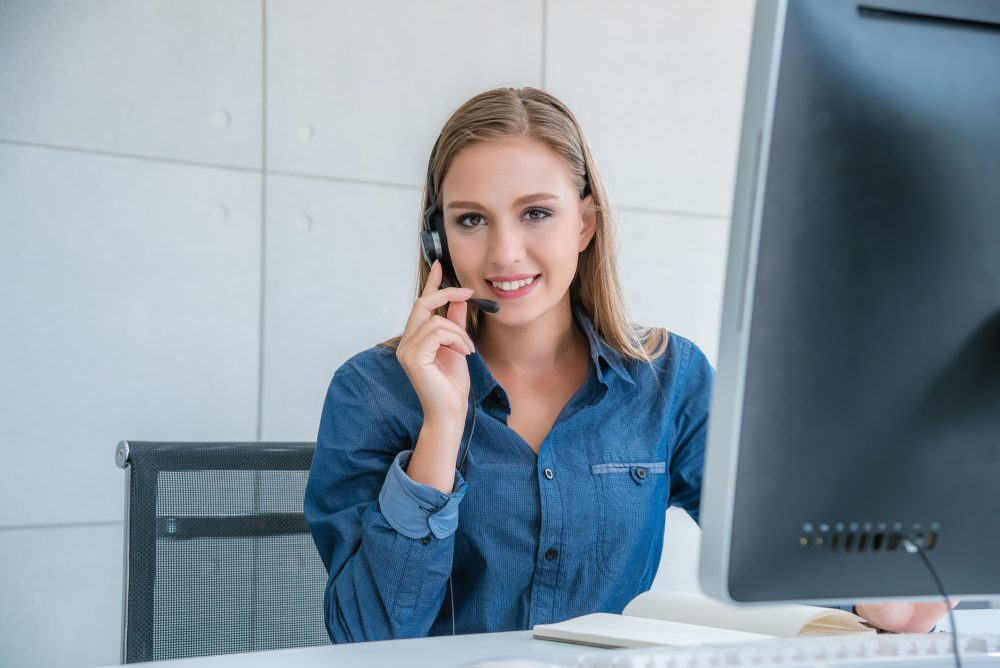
(432, 299)
(425, 332)
(457, 312)
(887, 616)
(427, 346)
(437, 322)
(433, 279)
(435, 300)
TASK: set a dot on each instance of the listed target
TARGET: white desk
(454, 652)
(445, 651)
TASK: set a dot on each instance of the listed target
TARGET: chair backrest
(218, 557)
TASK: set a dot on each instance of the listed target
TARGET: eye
(537, 214)
(470, 220)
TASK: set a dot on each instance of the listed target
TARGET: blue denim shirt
(528, 539)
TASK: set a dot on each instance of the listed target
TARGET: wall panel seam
(263, 219)
(545, 39)
(674, 212)
(130, 156)
(61, 525)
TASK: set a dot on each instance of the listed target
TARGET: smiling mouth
(513, 286)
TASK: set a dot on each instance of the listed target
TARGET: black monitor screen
(858, 393)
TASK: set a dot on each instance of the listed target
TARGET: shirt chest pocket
(633, 501)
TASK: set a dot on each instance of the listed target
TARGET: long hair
(503, 113)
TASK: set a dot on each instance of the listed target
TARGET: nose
(506, 244)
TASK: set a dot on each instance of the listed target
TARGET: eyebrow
(534, 197)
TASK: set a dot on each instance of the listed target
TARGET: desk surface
(458, 651)
(445, 651)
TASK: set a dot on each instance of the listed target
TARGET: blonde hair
(503, 113)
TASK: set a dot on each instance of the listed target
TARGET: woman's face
(515, 225)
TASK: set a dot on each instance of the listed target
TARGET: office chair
(218, 557)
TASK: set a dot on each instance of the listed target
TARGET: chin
(520, 315)
(509, 317)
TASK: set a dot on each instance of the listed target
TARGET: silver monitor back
(857, 399)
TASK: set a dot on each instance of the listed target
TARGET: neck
(546, 343)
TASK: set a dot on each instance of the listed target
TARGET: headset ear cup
(430, 245)
(433, 242)
(448, 269)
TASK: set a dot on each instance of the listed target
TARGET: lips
(513, 287)
(511, 283)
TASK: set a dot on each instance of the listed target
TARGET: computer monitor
(857, 399)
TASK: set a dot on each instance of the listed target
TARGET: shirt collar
(603, 356)
(482, 380)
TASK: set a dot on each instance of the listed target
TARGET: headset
(434, 243)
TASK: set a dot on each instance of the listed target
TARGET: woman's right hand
(432, 350)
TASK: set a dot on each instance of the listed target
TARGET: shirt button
(426, 539)
(549, 473)
(551, 554)
(639, 474)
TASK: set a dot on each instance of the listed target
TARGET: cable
(468, 441)
(451, 594)
(461, 469)
(912, 545)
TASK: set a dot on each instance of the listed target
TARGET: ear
(588, 218)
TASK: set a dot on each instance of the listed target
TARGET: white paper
(785, 621)
(607, 630)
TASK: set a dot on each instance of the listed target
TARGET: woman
(492, 471)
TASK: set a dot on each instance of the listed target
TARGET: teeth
(515, 285)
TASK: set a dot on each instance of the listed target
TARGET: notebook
(684, 618)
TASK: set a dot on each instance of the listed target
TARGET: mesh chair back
(218, 557)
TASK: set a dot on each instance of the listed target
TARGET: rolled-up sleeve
(414, 509)
(386, 541)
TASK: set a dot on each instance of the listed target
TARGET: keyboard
(861, 650)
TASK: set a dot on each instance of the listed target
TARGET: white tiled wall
(130, 293)
(62, 589)
(340, 274)
(358, 90)
(671, 268)
(207, 206)
(658, 87)
(178, 80)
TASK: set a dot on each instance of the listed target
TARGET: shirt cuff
(417, 510)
